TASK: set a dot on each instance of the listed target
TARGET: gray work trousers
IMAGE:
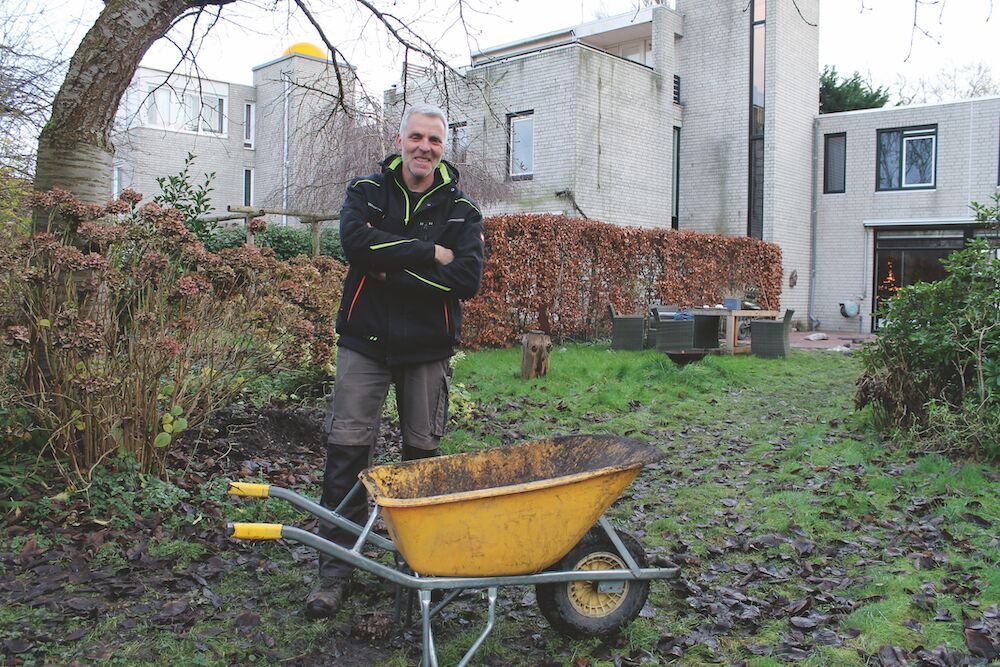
(352, 424)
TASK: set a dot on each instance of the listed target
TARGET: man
(414, 243)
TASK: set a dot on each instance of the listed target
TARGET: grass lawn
(803, 536)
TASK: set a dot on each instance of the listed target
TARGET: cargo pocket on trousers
(440, 421)
(350, 437)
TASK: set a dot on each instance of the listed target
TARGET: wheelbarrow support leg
(491, 618)
(429, 653)
(622, 551)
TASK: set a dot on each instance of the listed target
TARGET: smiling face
(421, 144)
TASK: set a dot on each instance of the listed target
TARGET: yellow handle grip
(249, 489)
(255, 531)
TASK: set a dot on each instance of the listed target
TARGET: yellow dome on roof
(305, 49)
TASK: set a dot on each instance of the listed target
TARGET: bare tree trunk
(74, 149)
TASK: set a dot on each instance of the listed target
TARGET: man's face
(421, 145)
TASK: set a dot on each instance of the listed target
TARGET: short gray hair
(426, 110)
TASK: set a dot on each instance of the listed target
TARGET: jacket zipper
(356, 295)
(447, 326)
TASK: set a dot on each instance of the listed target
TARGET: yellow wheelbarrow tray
(496, 518)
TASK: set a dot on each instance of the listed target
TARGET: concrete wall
(968, 146)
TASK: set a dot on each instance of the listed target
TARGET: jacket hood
(444, 172)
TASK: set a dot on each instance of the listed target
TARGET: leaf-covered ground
(803, 538)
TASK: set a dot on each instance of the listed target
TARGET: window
(677, 89)
(116, 181)
(173, 110)
(522, 144)
(212, 112)
(248, 187)
(458, 141)
(249, 124)
(639, 51)
(676, 189)
(906, 158)
(834, 162)
(758, 87)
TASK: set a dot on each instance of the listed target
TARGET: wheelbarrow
(514, 515)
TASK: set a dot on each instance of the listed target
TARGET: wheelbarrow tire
(576, 608)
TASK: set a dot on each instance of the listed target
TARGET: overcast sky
(870, 36)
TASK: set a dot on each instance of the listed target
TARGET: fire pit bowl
(684, 357)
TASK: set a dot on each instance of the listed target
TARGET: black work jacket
(415, 314)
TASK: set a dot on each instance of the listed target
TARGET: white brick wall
(791, 101)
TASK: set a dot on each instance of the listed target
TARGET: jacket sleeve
(372, 249)
(461, 277)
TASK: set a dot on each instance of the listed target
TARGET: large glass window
(906, 158)
(755, 180)
(834, 162)
(174, 110)
(522, 144)
(905, 257)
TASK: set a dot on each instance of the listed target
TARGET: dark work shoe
(326, 600)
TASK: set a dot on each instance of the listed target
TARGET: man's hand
(442, 255)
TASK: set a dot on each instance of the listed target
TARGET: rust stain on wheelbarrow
(504, 511)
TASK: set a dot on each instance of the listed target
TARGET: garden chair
(627, 331)
(769, 338)
(666, 333)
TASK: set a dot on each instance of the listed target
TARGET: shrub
(227, 236)
(559, 274)
(191, 199)
(122, 341)
(286, 242)
(934, 370)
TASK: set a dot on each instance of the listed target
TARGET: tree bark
(535, 350)
(74, 148)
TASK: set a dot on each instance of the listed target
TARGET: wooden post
(314, 228)
(246, 226)
(535, 350)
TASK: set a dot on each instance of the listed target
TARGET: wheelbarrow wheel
(579, 608)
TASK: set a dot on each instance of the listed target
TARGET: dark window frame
(754, 138)
(826, 163)
(919, 130)
(676, 185)
(248, 186)
(511, 117)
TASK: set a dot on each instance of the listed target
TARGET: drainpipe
(813, 322)
(284, 147)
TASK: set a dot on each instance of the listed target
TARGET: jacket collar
(443, 174)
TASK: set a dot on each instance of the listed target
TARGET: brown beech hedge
(558, 274)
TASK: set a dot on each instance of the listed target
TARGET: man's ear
(398, 142)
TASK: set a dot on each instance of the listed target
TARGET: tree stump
(535, 350)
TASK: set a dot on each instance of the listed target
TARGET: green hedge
(287, 242)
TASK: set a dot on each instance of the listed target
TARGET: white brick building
(702, 117)
(259, 140)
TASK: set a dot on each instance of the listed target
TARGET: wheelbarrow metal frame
(421, 584)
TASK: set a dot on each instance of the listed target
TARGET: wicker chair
(666, 333)
(706, 331)
(627, 331)
(769, 338)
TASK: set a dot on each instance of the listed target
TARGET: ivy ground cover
(803, 536)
